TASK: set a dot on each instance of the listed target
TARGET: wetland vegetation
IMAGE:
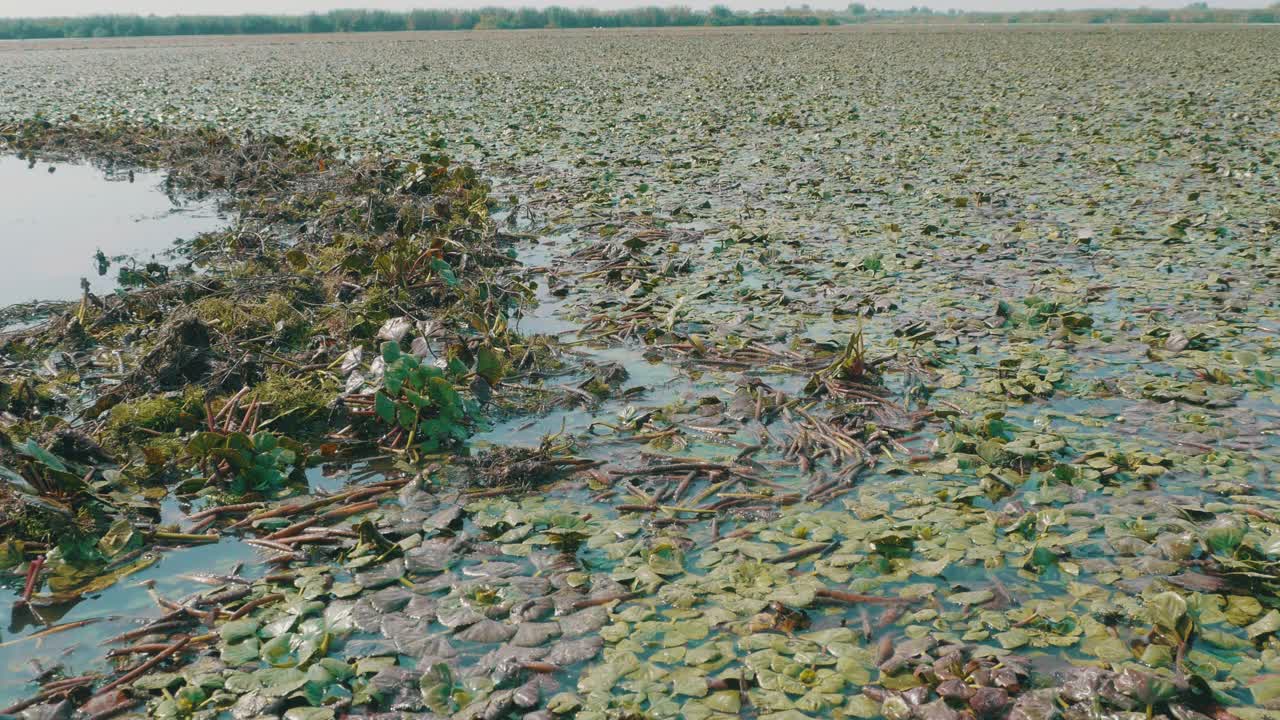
(772, 373)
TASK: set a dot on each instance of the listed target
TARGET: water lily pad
(309, 713)
(486, 631)
(975, 597)
(569, 652)
(277, 682)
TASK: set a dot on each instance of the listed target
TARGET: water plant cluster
(205, 383)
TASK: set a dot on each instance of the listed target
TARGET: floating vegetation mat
(900, 396)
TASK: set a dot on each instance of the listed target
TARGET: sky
(44, 8)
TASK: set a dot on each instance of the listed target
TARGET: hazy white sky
(33, 8)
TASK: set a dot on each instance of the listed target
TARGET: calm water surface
(53, 223)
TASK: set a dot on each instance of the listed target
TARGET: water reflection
(55, 218)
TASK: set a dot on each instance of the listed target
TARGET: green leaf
(278, 682)
(434, 433)
(975, 597)
(407, 417)
(565, 703)
(436, 685)
(158, 681)
(10, 476)
(1167, 610)
(279, 651)
(1013, 639)
(688, 681)
(446, 397)
(1265, 689)
(240, 442)
(297, 258)
(417, 399)
(445, 271)
(44, 456)
(265, 442)
(237, 459)
(390, 351)
(489, 364)
(1242, 609)
(385, 407)
(1266, 625)
(1225, 535)
(117, 539)
(309, 713)
(11, 554)
(338, 669)
(240, 653)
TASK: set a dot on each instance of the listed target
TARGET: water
(119, 608)
(549, 316)
(32, 639)
(54, 218)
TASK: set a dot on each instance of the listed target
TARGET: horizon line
(801, 8)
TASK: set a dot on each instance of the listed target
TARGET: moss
(18, 433)
(598, 388)
(72, 529)
(290, 404)
(274, 315)
(37, 526)
(337, 322)
(48, 391)
(331, 256)
(24, 396)
(215, 240)
(221, 314)
(290, 327)
(161, 451)
(141, 419)
(8, 393)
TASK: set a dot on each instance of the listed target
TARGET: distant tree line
(561, 17)
(388, 21)
(1196, 12)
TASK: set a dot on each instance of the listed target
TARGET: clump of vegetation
(852, 367)
(236, 374)
(292, 405)
(273, 316)
(420, 403)
(17, 396)
(141, 419)
(242, 464)
(524, 468)
(49, 500)
(384, 21)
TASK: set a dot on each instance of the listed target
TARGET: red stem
(32, 573)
